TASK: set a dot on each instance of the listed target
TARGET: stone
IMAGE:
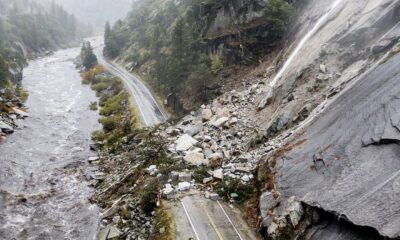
(207, 180)
(183, 186)
(295, 210)
(152, 170)
(215, 159)
(207, 114)
(245, 178)
(20, 113)
(195, 158)
(113, 234)
(168, 190)
(6, 128)
(207, 139)
(185, 177)
(242, 169)
(173, 132)
(221, 121)
(93, 159)
(233, 121)
(174, 176)
(218, 174)
(268, 201)
(214, 196)
(266, 100)
(322, 68)
(193, 130)
(184, 143)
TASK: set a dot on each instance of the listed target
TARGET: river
(43, 167)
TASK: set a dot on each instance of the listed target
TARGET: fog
(97, 12)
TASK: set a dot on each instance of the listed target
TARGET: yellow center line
(213, 225)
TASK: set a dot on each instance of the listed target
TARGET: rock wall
(235, 30)
(335, 106)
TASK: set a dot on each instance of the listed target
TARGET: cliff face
(236, 30)
(338, 102)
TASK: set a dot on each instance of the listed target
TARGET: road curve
(149, 111)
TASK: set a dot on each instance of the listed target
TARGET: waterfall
(298, 48)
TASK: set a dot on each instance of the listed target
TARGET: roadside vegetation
(114, 107)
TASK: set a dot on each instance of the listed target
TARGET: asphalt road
(149, 111)
(202, 219)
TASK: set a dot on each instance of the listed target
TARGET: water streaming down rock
(334, 8)
(43, 188)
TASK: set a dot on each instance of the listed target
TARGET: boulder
(266, 100)
(220, 121)
(207, 180)
(207, 114)
(183, 186)
(268, 201)
(20, 113)
(113, 234)
(214, 196)
(193, 130)
(6, 128)
(184, 143)
(152, 170)
(195, 158)
(322, 68)
(218, 174)
(168, 190)
(185, 177)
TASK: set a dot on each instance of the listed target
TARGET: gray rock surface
(357, 141)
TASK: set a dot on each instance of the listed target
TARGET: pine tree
(111, 49)
(3, 72)
(89, 59)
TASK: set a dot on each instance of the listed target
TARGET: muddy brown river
(44, 172)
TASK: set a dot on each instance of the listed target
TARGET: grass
(21, 94)
(166, 221)
(93, 106)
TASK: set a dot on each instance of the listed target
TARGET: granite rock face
(356, 141)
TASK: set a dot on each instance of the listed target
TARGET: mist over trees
(97, 12)
(28, 28)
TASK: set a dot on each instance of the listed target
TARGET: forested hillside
(28, 29)
(188, 48)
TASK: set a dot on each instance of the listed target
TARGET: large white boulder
(195, 158)
(184, 143)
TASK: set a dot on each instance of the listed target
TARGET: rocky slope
(325, 154)
(317, 133)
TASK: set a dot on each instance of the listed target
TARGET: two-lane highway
(202, 219)
(149, 111)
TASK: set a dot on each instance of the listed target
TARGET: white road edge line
(230, 221)
(190, 221)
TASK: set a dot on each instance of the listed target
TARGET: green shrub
(114, 105)
(216, 65)
(235, 186)
(148, 200)
(110, 123)
(99, 87)
(278, 15)
(93, 106)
